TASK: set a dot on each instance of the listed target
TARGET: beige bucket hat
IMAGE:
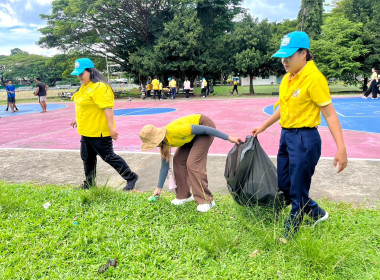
(151, 137)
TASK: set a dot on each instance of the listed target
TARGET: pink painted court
(33, 130)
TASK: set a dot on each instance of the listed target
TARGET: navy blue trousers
(299, 152)
(91, 147)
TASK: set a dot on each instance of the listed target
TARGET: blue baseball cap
(81, 64)
(291, 43)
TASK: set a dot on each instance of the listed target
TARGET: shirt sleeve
(163, 173)
(103, 96)
(320, 92)
(206, 130)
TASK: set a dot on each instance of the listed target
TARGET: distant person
(156, 88)
(148, 89)
(41, 92)
(304, 95)
(173, 87)
(203, 87)
(94, 103)
(207, 88)
(372, 85)
(235, 87)
(161, 88)
(186, 87)
(193, 136)
(11, 96)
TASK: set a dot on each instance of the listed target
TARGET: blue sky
(20, 21)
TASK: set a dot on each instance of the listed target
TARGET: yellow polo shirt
(90, 102)
(301, 97)
(172, 84)
(148, 87)
(160, 86)
(155, 84)
(178, 132)
(374, 76)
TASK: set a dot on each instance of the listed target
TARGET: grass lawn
(76, 235)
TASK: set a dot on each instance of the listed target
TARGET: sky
(20, 20)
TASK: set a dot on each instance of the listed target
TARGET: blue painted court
(24, 109)
(354, 113)
(142, 111)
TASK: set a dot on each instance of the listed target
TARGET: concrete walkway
(359, 182)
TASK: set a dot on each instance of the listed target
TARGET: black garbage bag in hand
(251, 175)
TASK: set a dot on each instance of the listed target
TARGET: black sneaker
(322, 216)
(292, 226)
(6, 110)
(131, 183)
(84, 186)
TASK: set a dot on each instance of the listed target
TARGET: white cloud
(20, 30)
(273, 10)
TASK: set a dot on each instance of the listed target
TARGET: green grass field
(76, 235)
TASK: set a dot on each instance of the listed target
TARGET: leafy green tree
(115, 27)
(252, 44)
(310, 17)
(366, 12)
(339, 48)
(26, 67)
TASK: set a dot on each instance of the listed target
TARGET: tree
(252, 44)
(339, 48)
(310, 17)
(366, 12)
(26, 67)
(115, 27)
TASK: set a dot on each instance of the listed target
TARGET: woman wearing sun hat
(94, 102)
(304, 94)
(193, 136)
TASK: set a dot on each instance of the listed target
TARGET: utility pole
(108, 72)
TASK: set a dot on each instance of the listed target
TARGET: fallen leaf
(283, 240)
(254, 253)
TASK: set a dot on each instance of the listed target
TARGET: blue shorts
(11, 99)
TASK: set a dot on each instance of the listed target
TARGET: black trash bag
(251, 176)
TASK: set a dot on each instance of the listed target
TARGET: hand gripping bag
(251, 175)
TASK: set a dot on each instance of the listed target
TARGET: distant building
(261, 81)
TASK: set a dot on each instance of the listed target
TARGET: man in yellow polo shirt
(173, 87)
(304, 93)
(156, 88)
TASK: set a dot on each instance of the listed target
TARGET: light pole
(108, 72)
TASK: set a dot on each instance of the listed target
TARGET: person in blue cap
(94, 102)
(304, 94)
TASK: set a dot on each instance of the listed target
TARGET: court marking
(352, 114)
(142, 111)
(25, 109)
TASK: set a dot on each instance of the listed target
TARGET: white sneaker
(206, 207)
(182, 201)
(364, 97)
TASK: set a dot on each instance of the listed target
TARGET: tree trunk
(221, 77)
(251, 90)
(364, 87)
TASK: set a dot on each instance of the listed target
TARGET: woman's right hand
(74, 124)
(257, 130)
(157, 192)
